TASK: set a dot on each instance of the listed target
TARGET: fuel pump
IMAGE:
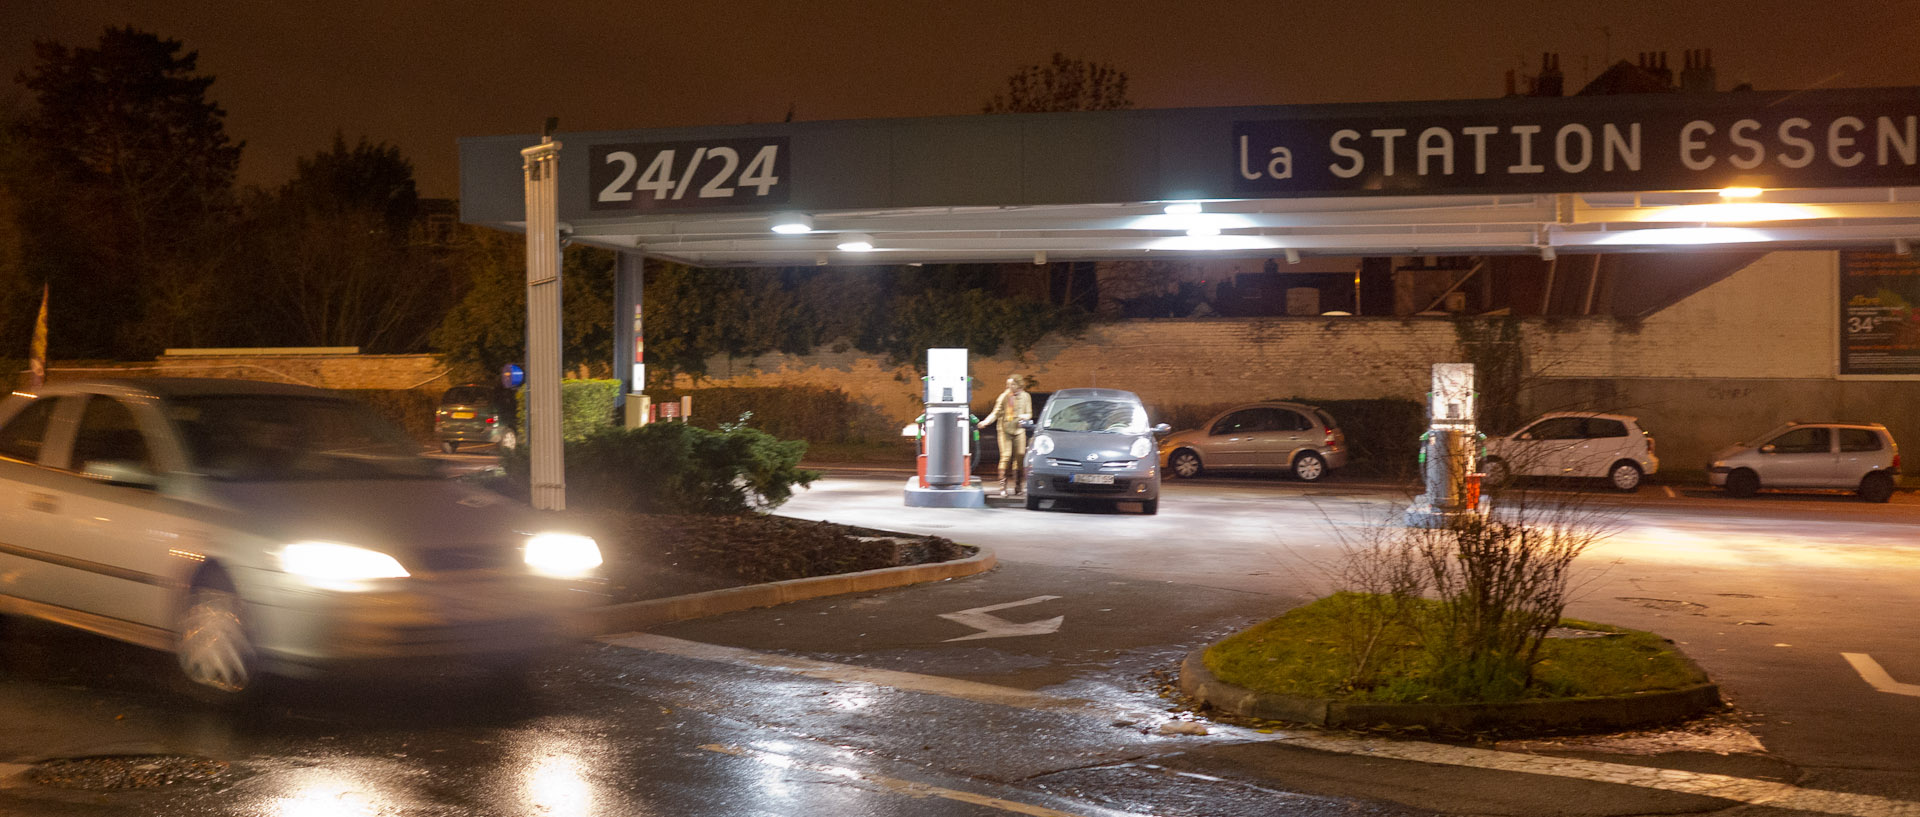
(946, 435)
(1449, 450)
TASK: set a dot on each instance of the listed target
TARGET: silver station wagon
(257, 528)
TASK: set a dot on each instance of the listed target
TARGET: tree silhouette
(1065, 84)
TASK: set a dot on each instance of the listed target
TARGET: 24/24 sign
(688, 175)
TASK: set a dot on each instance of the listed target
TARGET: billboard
(1879, 313)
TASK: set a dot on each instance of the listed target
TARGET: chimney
(1660, 69)
(1510, 83)
(1698, 77)
(1550, 82)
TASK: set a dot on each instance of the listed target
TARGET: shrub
(410, 409)
(811, 413)
(674, 468)
(586, 406)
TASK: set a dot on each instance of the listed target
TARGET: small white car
(1586, 445)
(1859, 457)
(258, 528)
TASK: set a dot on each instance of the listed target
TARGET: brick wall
(1729, 361)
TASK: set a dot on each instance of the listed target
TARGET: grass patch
(1306, 652)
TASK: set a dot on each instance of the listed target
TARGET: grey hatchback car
(1094, 444)
(258, 528)
(1299, 439)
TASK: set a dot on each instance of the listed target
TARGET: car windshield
(1099, 414)
(275, 438)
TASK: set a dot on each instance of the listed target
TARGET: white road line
(1874, 674)
(1737, 789)
(908, 788)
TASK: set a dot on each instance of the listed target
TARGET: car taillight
(492, 420)
(1896, 464)
(1334, 438)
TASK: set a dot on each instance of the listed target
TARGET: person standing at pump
(1011, 408)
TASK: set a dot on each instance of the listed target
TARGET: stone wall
(327, 371)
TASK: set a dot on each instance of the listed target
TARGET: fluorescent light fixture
(1683, 236)
(1293, 256)
(1040, 258)
(1214, 243)
(791, 223)
(1739, 212)
(1546, 252)
(1199, 230)
(1185, 223)
(1183, 208)
(1741, 193)
(856, 242)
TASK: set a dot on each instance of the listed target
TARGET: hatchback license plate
(1093, 479)
(463, 415)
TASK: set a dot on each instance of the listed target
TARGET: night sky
(422, 74)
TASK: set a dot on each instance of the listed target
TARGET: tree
(487, 327)
(1065, 84)
(331, 262)
(133, 176)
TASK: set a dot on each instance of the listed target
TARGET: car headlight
(562, 555)
(327, 563)
(1043, 445)
(1141, 447)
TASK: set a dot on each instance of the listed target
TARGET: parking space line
(1736, 789)
(908, 788)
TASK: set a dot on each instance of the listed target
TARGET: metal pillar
(629, 337)
(549, 475)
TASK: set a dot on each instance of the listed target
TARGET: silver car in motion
(257, 528)
(1094, 444)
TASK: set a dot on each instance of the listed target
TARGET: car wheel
(508, 439)
(1184, 464)
(1150, 507)
(215, 653)
(1743, 483)
(1876, 487)
(1309, 467)
(1033, 502)
(1625, 476)
(1495, 474)
(449, 446)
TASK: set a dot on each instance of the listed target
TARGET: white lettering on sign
(991, 626)
(683, 174)
(1280, 166)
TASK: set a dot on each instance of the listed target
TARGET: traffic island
(1589, 678)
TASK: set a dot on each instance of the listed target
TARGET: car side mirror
(121, 472)
(1162, 428)
(1769, 449)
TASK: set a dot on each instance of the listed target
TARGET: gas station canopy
(1602, 174)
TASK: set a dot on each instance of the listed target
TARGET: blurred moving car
(1272, 436)
(1094, 444)
(255, 528)
(475, 413)
(1574, 444)
(1860, 457)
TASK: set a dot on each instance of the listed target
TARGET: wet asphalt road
(869, 705)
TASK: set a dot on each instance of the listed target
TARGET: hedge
(812, 413)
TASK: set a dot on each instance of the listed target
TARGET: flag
(37, 358)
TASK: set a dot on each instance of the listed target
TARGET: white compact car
(255, 528)
(1859, 457)
(1612, 447)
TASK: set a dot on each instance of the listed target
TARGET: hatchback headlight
(1141, 447)
(562, 555)
(328, 563)
(1043, 445)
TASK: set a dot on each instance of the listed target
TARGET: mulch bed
(652, 556)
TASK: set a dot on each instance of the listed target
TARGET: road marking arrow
(1874, 674)
(991, 626)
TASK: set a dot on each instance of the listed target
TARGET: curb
(620, 618)
(1560, 715)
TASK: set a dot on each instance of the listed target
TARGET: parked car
(1094, 444)
(1271, 436)
(1588, 445)
(259, 528)
(475, 413)
(1859, 457)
